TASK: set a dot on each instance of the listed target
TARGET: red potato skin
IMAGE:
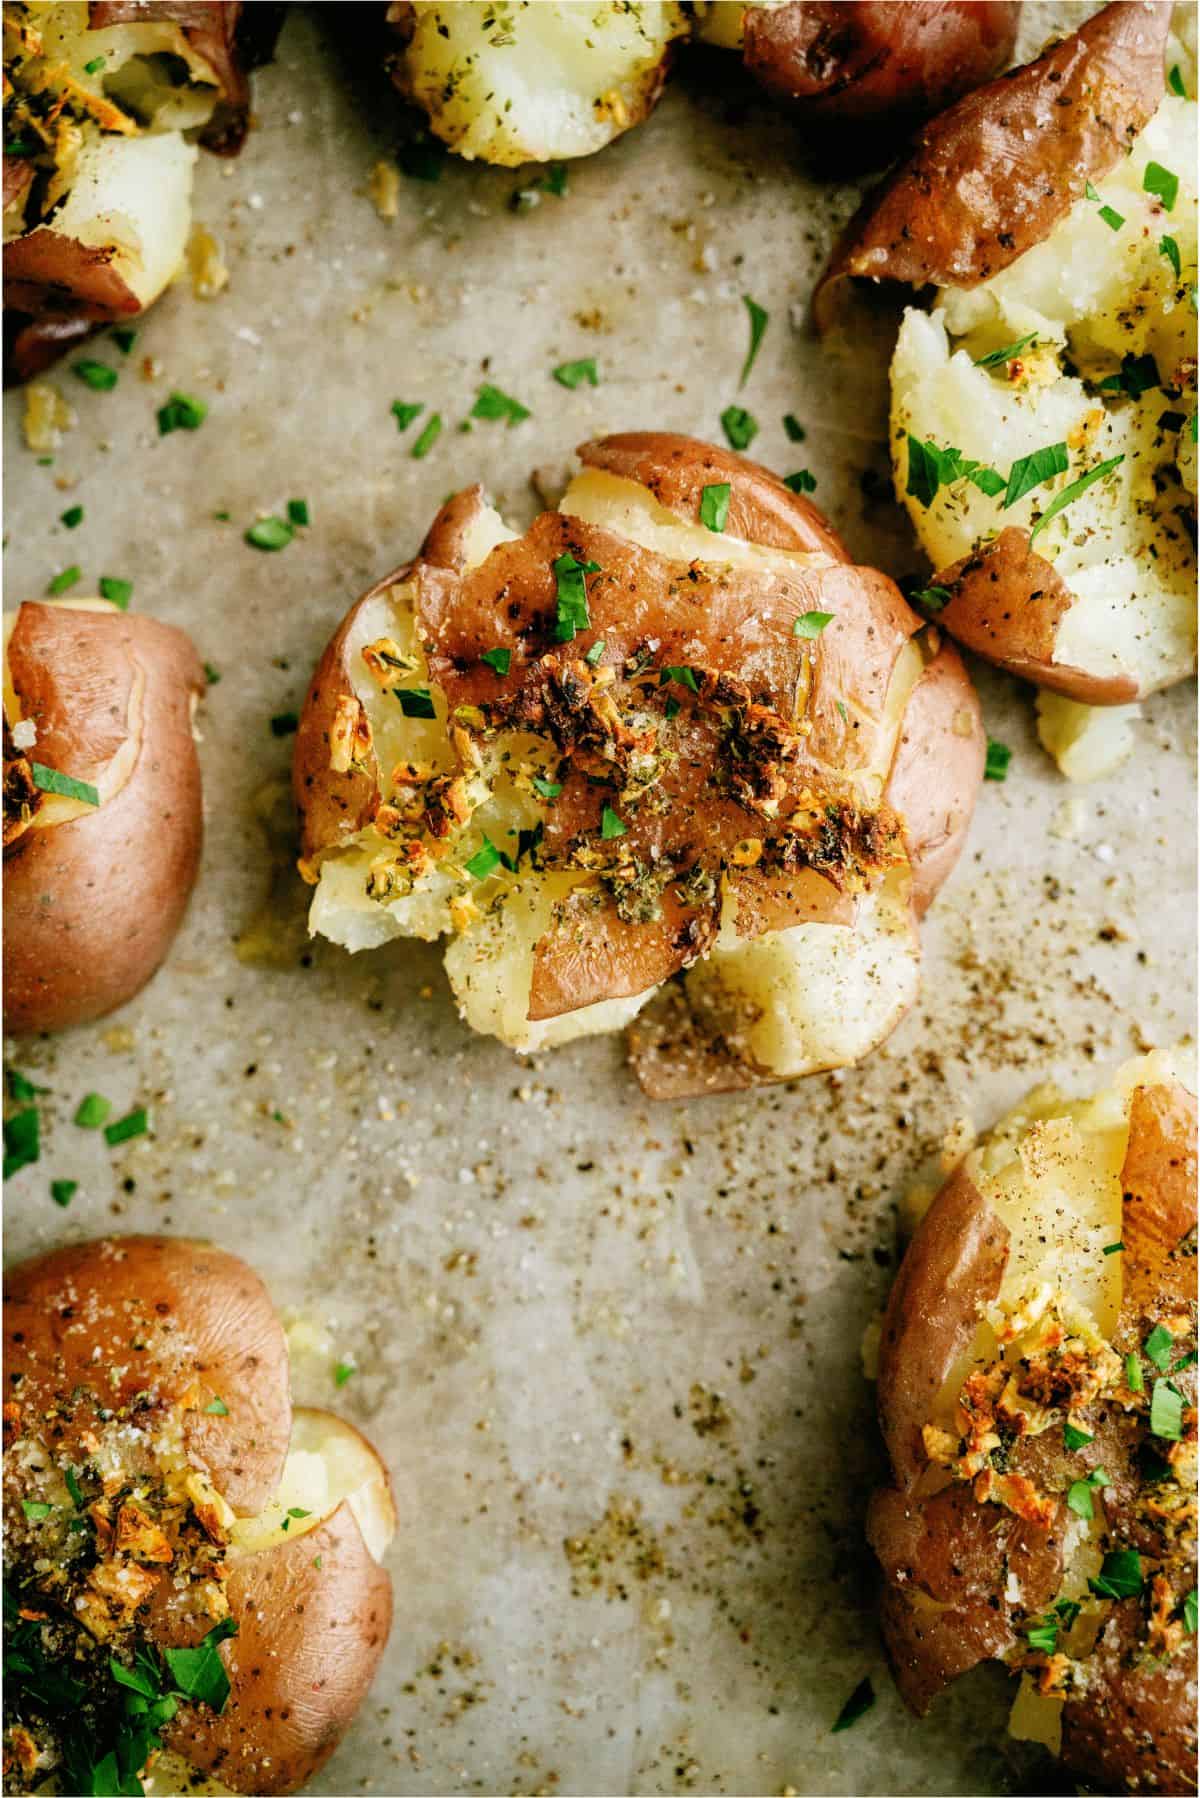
(309, 1642)
(92, 905)
(991, 176)
(207, 1329)
(937, 771)
(1130, 1725)
(875, 67)
(1006, 603)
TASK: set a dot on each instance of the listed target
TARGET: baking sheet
(610, 1349)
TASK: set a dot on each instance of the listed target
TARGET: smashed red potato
(102, 104)
(173, 1529)
(1037, 1392)
(102, 807)
(631, 745)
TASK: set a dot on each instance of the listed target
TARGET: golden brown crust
(147, 1326)
(313, 1618)
(961, 1248)
(936, 772)
(92, 904)
(676, 470)
(872, 67)
(1006, 603)
(991, 176)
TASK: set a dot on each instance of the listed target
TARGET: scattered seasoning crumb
(45, 418)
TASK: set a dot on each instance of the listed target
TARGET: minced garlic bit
(384, 189)
(47, 415)
(349, 735)
(206, 264)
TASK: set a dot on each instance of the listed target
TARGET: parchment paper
(611, 1350)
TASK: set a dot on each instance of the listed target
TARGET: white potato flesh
(1051, 1170)
(1087, 741)
(134, 193)
(1090, 296)
(128, 65)
(812, 997)
(328, 1464)
(517, 81)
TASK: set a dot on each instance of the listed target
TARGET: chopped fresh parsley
(994, 358)
(573, 374)
(1028, 472)
(545, 789)
(63, 1191)
(297, 510)
(182, 412)
(1162, 183)
(134, 1123)
(405, 411)
(116, 591)
(1042, 1637)
(1074, 1438)
(1175, 81)
(212, 675)
(931, 599)
(21, 1088)
(1166, 1411)
(801, 482)
(22, 1140)
(216, 1408)
(554, 181)
(94, 67)
(1138, 375)
(714, 505)
(611, 824)
(484, 861)
(92, 1111)
(270, 533)
(1113, 219)
(199, 1673)
(1158, 1346)
(999, 755)
(930, 468)
(740, 427)
(429, 436)
(492, 402)
(795, 430)
(759, 319)
(345, 1370)
(415, 702)
(35, 1509)
(1120, 1576)
(1189, 1611)
(498, 660)
(592, 655)
(62, 583)
(570, 579)
(811, 624)
(49, 780)
(96, 375)
(71, 1477)
(1134, 1378)
(124, 336)
(856, 1706)
(1114, 1248)
(1079, 1494)
(1168, 247)
(284, 724)
(72, 516)
(685, 676)
(1071, 493)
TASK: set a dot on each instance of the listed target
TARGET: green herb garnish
(345, 1370)
(1168, 247)
(1158, 1346)
(1074, 1438)
(801, 481)
(714, 505)
(72, 516)
(592, 656)
(284, 724)
(759, 319)
(270, 533)
(611, 824)
(795, 430)
(1162, 183)
(856, 1706)
(1138, 375)
(404, 412)
(571, 602)
(685, 676)
(1043, 1637)
(1028, 472)
(999, 755)
(931, 599)
(49, 780)
(116, 591)
(182, 412)
(1166, 1411)
(1189, 1611)
(62, 583)
(492, 402)
(1133, 1374)
(134, 1123)
(124, 336)
(1175, 81)
(96, 375)
(22, 1141)
(216, 1408)
(811, 624)
(1071, 493)
(92, 1111)
(35, 1509)
(63, 1191)
(1114, 1248)
(1079, 1494)
(573, 374)
(415, 702)
(994, 358)
(740, 427)
(199, 1673)
(484, 861)
(545, 789)
(1120, 1576)
(498, 660)
(428, 437)
(297, 511)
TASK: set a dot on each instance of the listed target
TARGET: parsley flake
(1043, 1637)
(1166, 1412)
(574, 374)
(415, 702)
(49, 780)
(1114, 1248)
(429, 436)
(570, 579)
(92, 1111)
(1028, 472)
(795, 430)
(1071, 493)
(134, 1123)
(297, 511)
(199, 1673)
(492, 402)
(1120, 1576)
(1074, 1438)
(811, 624)
(284, 724)
(545, 789)
(931, 599)
(759, 319)
(801, 482)
(1079, 1494)
(1168, 247)
(1175, 81)
(999, 755)
(1189, 1611)
(405, 411)
(345, 1370)
(611, 824)
(216, 1408)
(484, 861)
(856, 1706)
(96, 375)
(714, 505)
(498, 660)
(1162, 183)
(62, 583)
(994, 358)
(270, 533)
(685, 676)
(63, 1191)
(1157, 1347)
(35, 1509)
(740, 427)
(182, 412)
(72, 516)
(116, 591)
(22, 1141)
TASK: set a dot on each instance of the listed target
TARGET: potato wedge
(96, 885)
(1037, 1398)
(630, 744)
